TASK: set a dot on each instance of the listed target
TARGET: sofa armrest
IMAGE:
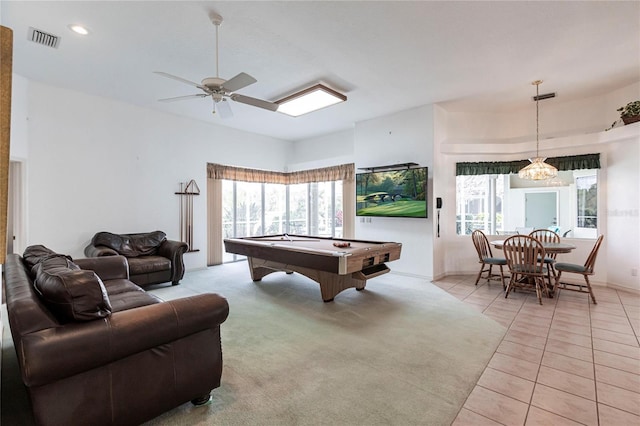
(106, 267)
(97, 251)
(173, 250)
(56, 353)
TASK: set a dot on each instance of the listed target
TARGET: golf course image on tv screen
(395, 193)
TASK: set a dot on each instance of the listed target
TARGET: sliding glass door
(251, 209)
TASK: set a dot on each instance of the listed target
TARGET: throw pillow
(71, 293)
(37, 253)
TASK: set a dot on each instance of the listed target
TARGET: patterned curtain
(570, 162)
(344, 172)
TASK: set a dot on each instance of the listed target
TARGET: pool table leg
(259, 272)
(330, 284)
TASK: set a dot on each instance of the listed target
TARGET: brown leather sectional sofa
(152, 257)
(96, 349)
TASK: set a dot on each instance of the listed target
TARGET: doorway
(541, 209)
(15, 221)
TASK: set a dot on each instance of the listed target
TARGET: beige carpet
(402, 352)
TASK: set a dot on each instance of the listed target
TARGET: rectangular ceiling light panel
(308, 100)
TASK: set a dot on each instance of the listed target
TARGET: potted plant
(630, 113)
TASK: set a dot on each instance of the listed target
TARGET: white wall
(622, 239)
(515, 131)
(403, 137)
(18, 150)
(95, 164)
(18, 153)
(440, 133)
(323, 151)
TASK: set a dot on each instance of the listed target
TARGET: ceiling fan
(219, 89)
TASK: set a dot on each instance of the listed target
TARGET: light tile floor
(566, 362)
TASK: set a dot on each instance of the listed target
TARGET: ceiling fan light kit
(538, 169)
(219, 89)
(310, 99)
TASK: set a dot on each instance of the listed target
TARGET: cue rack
(187, 192)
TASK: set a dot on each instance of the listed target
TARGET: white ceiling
(385, 56)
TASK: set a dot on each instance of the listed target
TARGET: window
(298, 209)
(586, 189)
(501, 203)
(275, 209)
(251, 209)
(479, 204)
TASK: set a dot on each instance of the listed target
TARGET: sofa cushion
(125, 295)
(148, 264)
(131, 245)
(72, 294)
(37, 253)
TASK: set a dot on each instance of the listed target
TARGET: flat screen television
(394, 193)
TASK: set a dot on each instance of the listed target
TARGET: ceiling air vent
(545, 96)
(43, 38)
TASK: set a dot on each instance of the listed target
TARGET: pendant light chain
(538, 169)
(537, 83)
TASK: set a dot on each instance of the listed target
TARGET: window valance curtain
(344, 172)
(570, 162)
(218, 172)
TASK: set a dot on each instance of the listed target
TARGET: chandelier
(538, 169)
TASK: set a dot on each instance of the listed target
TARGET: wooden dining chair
(585, 270)
(547, 236)
(523, 230)
(486, 259)
(525, 258)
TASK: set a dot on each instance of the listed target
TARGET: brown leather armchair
(152, 257)
(125, 363)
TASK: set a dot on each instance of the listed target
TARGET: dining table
(549, 247)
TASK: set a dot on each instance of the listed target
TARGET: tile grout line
(593, 358)
(544, 349)
(496, 351)
(624, 308)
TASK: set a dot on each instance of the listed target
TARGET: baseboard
(623, 288)
(406, 274)
(569, 280)
(439, 277)
(458, 273)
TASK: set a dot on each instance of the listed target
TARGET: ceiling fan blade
(254, 102)
(180, 79)
(238, 82)
(224, 109)
(179, 98)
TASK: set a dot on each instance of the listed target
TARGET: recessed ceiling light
(79, 29)
(308, 100)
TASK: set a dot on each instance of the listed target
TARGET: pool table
(336, 264)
